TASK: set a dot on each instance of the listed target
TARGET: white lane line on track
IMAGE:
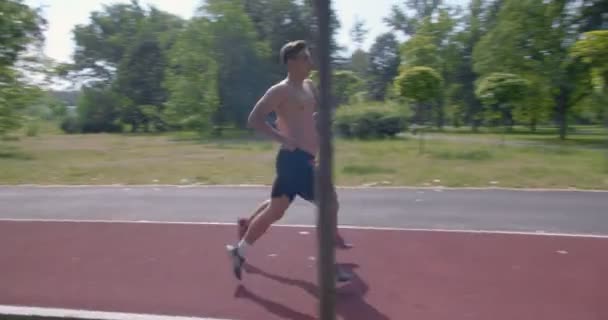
(59, 313)
(346, 227)
(210, 186)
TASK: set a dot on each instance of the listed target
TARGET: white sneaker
(236, 259)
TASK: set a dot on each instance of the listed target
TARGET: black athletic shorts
(295, 173)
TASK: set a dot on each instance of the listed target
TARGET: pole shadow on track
(350, 303)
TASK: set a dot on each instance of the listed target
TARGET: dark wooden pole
(324, 182)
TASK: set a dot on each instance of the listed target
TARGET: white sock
(241, 247)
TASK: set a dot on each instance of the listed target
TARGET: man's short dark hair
(291, 50)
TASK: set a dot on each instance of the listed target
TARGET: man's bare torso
(295, 115)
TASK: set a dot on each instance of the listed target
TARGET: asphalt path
(572, 212)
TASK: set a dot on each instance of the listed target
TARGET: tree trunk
(440, 115)
(475, 125)
(533, 124)
(562, 108)
(419, 113)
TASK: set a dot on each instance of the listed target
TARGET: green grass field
(578, 136)
(183, 159)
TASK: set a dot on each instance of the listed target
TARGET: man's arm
(257, 118)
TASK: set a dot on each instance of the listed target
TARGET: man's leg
(257, 227)
(273, 212)
(243, 223)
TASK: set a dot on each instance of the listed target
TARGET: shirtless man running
(294, 102)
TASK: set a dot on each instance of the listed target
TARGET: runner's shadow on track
(350, 303)
(276, 308)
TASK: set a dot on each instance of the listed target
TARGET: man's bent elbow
(253, 123)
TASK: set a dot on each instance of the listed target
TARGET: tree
(359, 62)
(141, 71)
(465, 105)
(531, 38)
(308, 7)
(280, 21)
(192, 80)
(21, 30)
(433, 46)
(358, 32)
(124, 50)
(592, 49)
(498, 92)
(359, 58)
(345, 84)
(591, 15)
(102, 44)
(399, 20)
(140, 78)
(423, 86)
(277, 22)
(383, 67)
(99, 109)
(15, 96)
(574, 84)
(240, 56)
(522, 42)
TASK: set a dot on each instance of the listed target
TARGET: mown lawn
(182, 159)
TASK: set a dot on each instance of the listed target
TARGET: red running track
(183, 270)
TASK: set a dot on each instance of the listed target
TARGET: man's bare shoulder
(311, 84)
(273, 98)
(279, 89)
(275, 95)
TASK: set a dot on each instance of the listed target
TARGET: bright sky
(63, 15)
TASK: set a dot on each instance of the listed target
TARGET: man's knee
(264, 205)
